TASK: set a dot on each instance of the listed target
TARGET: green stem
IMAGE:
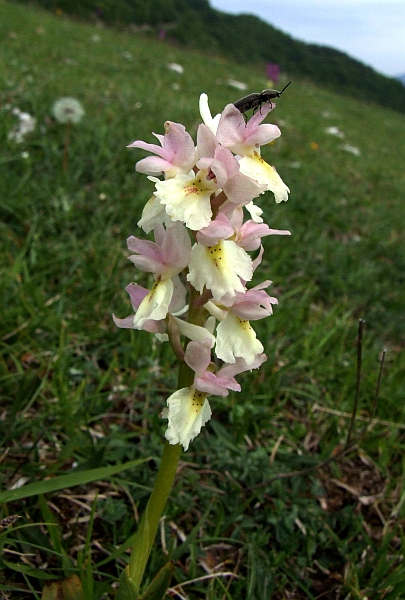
(66, 148)
(149, 524)
(150, 520)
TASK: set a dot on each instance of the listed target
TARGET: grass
(81, 399)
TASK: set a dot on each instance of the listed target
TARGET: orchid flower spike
(206, 249)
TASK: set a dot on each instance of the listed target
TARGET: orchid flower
(245, 140)
(166, 258)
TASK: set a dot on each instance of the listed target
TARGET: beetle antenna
(285, 87)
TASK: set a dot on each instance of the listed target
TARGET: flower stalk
(66, 146)
(148, 526)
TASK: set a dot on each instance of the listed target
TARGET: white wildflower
(25, 125)
(335, 131)
(353, 149)
(238, 85)
(176, 68)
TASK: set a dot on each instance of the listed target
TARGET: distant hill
(401, 78)
(244, 38)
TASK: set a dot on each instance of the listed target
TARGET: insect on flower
(255, 100)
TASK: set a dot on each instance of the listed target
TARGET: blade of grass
(67, 481)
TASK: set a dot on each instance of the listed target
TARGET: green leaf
(158, 587)
(67, 481)
(141, 548)
(54, 532)
(29, 571)
(127, 589)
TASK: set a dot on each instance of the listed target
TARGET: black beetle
(256, 100)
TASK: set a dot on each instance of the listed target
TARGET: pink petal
(127, 323)
(179, 145)
(152, 165)
(198, 356)
(136, 293)
(206, 142)
(231, 127)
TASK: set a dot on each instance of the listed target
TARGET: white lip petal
(220, 268)
(188, 411)
(259, 170)
(187, 200)
(155, 304)
(236, 338)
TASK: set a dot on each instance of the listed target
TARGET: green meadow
(295, 488)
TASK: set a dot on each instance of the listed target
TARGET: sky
(372, 31)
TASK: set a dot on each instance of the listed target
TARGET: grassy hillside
(77, 393)
(244, 38)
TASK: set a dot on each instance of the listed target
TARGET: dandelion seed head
(68, 110)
